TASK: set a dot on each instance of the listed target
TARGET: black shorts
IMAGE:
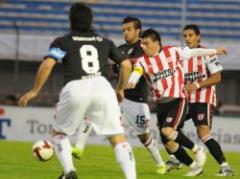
(201, 113)
(172, 114)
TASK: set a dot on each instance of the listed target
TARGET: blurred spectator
(10, 100)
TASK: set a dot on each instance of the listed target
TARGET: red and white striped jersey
(198, 69)
(164, 72)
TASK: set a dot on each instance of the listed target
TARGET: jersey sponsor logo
(214, 61)
(56, 53)
(194, 76)
(200, 116)
(95, 38)
(163, 74)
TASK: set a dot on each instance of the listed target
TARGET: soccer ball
(43, 150)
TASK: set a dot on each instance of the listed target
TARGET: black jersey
(139, 93)
(84, 55)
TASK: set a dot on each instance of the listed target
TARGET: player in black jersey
(134, 106)
(86, 92)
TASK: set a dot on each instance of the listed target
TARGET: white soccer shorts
(137, 114)
(94, 98)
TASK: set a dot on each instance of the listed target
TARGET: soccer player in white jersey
(86, 92)
(163, 70)
(134, 106)
(202, 73)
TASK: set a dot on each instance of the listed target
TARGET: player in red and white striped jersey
(163, 70)
(201, 76)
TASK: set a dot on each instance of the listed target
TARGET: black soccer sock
(216, 151)
(182, 156)
(183, 140)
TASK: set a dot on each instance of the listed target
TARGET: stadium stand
(217, 19)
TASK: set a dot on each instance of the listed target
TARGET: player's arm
(135, 76)
(214, 68)
(188, 53)
(212, 80)
(125, 71)
(42, 75)
(55, 54)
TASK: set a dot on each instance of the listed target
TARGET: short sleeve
(56, 51)
(115, 54)
(213, 64)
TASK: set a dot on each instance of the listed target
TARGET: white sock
(125, 158)
(63, 152)
(224, 164)
(153, 149)
(83, 135)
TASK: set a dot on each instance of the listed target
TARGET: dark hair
(153, 34)
(137, 23)
(193, 27)
(80, 17)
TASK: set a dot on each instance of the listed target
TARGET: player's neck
(196, 46)
(157, 51)
(134, 41)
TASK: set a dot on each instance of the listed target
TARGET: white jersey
(198, 69)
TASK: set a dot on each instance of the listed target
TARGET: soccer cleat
(173, 163)
(225, 171)
(200, 156)
(195, 171)
(77, 153)
(70, 175)
(161, 169)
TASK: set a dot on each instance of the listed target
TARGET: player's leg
(138, 116)
(105, 118)
(69, 113)
(174, 114)
(124, 155)
(203, 121)
(153, 148)
(178, 151)
(81, 138)
(172, 162)
(198, 151)
(63, 150)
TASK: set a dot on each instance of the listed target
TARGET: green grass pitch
(98, 162)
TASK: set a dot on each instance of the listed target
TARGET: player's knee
(171, 146)
(144, 138)
(204, 132)
(116, 139)
(168, 132)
